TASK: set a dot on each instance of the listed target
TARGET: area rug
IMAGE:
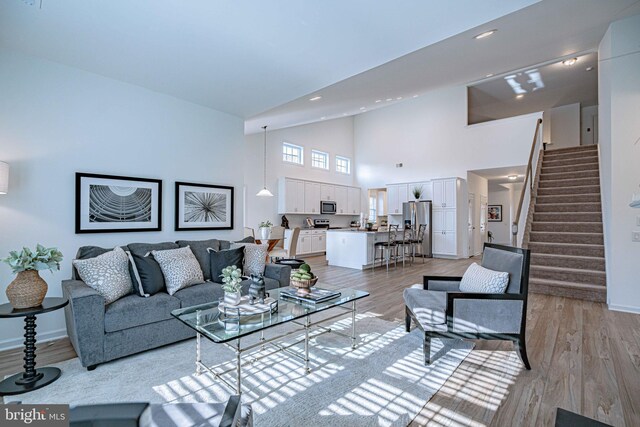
(382, 382)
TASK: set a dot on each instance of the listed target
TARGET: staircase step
(568, 261)
(570, 168)
(566, 237)
(546, 162)
(550, 155)
(568, 198)
(569, 289)
(563, 274)
(567, 227)
(569, 207)
(567, 217)
(577, 182)
(567, 249)
(551, 150)
(546, 176)
(580, 189)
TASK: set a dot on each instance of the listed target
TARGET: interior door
(471, 228)
(483, 224)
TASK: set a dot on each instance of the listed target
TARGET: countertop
(355, 230)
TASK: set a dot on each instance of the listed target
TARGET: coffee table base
(16, 384)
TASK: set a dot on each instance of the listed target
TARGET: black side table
(32, 378)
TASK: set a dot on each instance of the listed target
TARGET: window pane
(319, 159)
(343, 165)
(292, 153)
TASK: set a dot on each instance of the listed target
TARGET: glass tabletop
(210, 322)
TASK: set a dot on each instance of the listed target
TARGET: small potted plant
(231, 279)
(265, 229)
(417, 192)
(28, 289)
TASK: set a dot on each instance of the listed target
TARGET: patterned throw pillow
(108, 274)
(255, 257)
(483, 280)
(180, 268)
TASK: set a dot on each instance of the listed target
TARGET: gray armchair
(440, 310)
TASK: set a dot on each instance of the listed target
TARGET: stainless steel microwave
(327, 207)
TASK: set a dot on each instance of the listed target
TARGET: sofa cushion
(221, 259)
(255, 257)
(429, 307)
(179, 267)
(201, 249)
(86, 252)
(148, 269)
(133, 310)
(108, 274)
(199, 294)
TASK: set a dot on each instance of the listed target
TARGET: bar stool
(417, 242)
(390, 248)
(405, 245)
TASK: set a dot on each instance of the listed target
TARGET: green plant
(231, 279)
(40, 259)
(417, 191)
(266, 224)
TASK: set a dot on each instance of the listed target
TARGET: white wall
(479, 187)
(589, 125)
(430, 137)
(565, 126)
(619, 132)
(500, 195)
(56, 120)
(332, 136)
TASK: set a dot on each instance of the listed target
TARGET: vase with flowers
(28, 289)
(231, 279)
(265, 229)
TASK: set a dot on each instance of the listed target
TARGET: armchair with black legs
(441, 310)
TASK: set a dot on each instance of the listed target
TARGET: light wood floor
(584, 357)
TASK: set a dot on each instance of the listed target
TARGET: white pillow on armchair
(485, 281)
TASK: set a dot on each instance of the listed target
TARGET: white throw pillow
(255, 257)
(180, 268)
(483, 280)
(108, 274)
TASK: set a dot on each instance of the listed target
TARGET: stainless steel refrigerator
(416, 213)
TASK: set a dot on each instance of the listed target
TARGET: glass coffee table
(210, 322)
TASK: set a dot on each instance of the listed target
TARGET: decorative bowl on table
(303, 286)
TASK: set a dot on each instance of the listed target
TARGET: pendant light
(265, 192)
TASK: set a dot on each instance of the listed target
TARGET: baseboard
(41, 337)
(624, 308)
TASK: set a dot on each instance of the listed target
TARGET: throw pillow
(151, 277)
(200, 249)
(179, 267)
(108, 274)
(483, 280)
(255, 257)
(222, 259)
(86, 252)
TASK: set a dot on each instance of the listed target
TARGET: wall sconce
(4, 178)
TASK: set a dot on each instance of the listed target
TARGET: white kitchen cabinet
(328, 192)
(354, 201)
(397, 194)
(444, 193)
(309, 241)
(304, 244)
(444, 243)
(444, 219)
(291, 196)
(318, 242)
(342, 197)
(312, 191)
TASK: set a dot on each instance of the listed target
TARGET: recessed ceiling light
(315, 98)
(389, 99)
(589, 68)
(378, 100)
(570, 61)
(520, 96)
(485, 34)
(512, 177)
(415, 96)
(363, 108)
(399, 98)
(345, 114)
(322, 118)
(489, 75)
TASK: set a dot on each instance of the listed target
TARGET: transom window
(343, 165)
(292, 153)
(319, 159)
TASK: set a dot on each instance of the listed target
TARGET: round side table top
(49, 304)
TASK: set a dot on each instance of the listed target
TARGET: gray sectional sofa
(135, 323)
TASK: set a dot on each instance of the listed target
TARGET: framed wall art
(203, 207)
(495, 213)
(110, 204)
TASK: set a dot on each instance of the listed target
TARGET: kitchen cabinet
(309, 241)
(444, 193)
(443, 219)
(354, 201)
(342, 197)
(318, 241)
(328, 192)
(444, 243)
(312, 192)
(397, 194)
(291, 196)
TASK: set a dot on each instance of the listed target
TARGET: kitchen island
(352, 248)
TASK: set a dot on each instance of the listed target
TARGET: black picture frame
(494, 213)
(91, 194)
(209, 207)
